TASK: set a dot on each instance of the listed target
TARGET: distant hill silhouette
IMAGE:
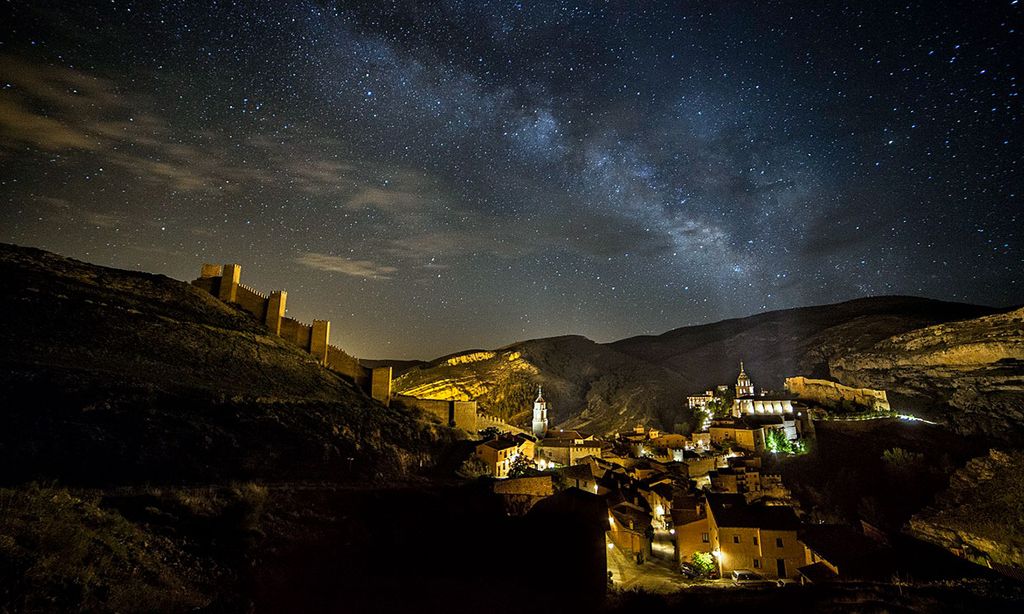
(779, 344)
(608, 387)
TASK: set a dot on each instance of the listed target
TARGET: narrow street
(655, 575)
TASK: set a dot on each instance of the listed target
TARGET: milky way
(434, 177)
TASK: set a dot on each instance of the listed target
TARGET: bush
(703, 562)
(59, 552)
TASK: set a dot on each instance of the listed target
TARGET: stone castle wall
(459, 414)
(296, 332)
(832, 393)
(224, 283)
(484, 421)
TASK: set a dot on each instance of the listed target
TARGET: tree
(521, 467)
(472, 468)
(703, 562)
(719, 408)
(776, 441)
(489, 433)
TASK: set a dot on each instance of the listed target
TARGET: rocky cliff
(587, 385)
(981, 515)
(969, 374)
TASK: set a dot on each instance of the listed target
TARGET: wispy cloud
(366, 269)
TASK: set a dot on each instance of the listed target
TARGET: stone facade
(458, 414)
(743, 436)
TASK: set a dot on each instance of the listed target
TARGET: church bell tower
(540, 415)
(744, 388)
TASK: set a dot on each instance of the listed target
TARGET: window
(704, 538)
(755, 540)
(778, 542)
(735, 539)
(757, 563)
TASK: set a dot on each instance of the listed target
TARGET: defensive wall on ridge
(224, 283)
(832, 393)
(459, 414)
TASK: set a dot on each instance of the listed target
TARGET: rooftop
(500, 444)
(731, 510)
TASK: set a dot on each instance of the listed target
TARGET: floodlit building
(690, 523)
(540, 415)
(566, 448)
(737, 433)
(499, 453)
(749, 403)
(700, 401)
(758, 537)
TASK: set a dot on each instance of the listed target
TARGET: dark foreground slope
(780, 344)
(159, 452)
(112, 376)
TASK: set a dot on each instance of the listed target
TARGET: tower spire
(540, 415)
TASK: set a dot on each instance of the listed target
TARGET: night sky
(475, 173)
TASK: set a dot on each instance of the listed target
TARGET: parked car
(688, 570)
(748, 578)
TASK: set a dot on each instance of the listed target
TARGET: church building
(748, 403)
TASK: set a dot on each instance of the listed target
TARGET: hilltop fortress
(224, 282)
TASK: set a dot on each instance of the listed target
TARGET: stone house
(758, 537)
(499, 453)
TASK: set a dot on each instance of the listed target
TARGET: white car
(746, 577)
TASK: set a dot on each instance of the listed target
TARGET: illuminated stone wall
(832, 393)
(224, 283)
(459, 414)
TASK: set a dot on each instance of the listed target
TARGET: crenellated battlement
(223, 281)
(253, 290)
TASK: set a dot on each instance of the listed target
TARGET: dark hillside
(780, 344)
(111, 376)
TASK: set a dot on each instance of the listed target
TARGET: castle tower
(540, 415)
(275, 311)
(228, 290)
(743, 386)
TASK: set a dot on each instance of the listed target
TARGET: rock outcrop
(832, 394)
(981, 516)
(589, 385)
(969, 374)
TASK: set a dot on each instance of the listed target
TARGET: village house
(690, 523)
(757, 537)
(737, 433)
(630, 529)
(499, 453)
(566, 448)
(580, 476)
(700, 401)
(518, 495)
(736, 479)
